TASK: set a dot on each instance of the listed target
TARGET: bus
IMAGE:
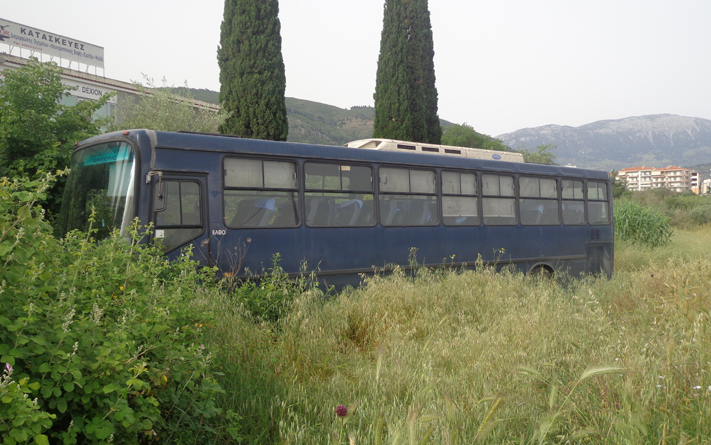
(340, 212)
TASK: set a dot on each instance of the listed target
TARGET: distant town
(673, 178)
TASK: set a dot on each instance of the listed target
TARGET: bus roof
(435, 149)
(153, 142)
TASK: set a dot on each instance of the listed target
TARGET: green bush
(271, 297)
(685, 210)
(641, 225)
(701, 215)
(103, 339)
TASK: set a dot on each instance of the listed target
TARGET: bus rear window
(598, 207)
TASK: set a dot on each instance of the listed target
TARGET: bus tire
(541, 272)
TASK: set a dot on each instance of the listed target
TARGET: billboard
(34, 39)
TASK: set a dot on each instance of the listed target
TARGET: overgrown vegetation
(99, 342)
(157, 107)
(482, 357)
(642, 225)
(269, 299)
(684, 210)
(109, 339)
(37, 132)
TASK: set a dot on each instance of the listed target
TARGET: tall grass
(641, 225)
(453, 357)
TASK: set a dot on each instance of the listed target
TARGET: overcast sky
(500, 65)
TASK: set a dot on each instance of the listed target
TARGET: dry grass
(449, 357)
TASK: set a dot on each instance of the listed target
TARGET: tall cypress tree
(252, 77)
(405, 92)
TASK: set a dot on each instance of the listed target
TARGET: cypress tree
(405, 92)
(252, 77)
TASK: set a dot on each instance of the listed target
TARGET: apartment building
(670, 177)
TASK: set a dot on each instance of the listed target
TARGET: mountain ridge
(656, 140)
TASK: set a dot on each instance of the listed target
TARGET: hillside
(316, 123)
(654, 140)
(313, 122)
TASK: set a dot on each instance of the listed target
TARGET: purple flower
(341, 411)
(9, 368)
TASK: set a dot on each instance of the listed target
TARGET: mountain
(655, 140)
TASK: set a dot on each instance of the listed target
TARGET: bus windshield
(102, 181)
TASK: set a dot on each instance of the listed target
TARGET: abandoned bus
(341, 211)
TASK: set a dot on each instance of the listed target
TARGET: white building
(670, 177)
(705, 186)
(76, 58)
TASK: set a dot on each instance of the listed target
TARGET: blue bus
(340, 211)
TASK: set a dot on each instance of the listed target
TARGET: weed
(641, 225)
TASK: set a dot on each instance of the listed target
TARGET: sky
(500, 65)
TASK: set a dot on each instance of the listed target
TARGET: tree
(619, 186)
(542, 155)
(405, 92)
(465, 136)
(252, 77)
(37, 132)
(157, 108)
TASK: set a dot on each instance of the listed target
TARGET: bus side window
(408, 197)
(538, 203)
(260, 193)
(573, 204)
(338, 195)
(498, 202)
(178, 215)
(459, 199)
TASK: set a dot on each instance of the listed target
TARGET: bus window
(538, 201)
(498, 200)
(338, 195)
(102, 180)
(573, 204)
(598, 207)
(260, 193)
(408, 197)
(459, 199)
(177, 213)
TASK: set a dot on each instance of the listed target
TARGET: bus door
(180, 215)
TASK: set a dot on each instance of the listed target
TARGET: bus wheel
(541, 272)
